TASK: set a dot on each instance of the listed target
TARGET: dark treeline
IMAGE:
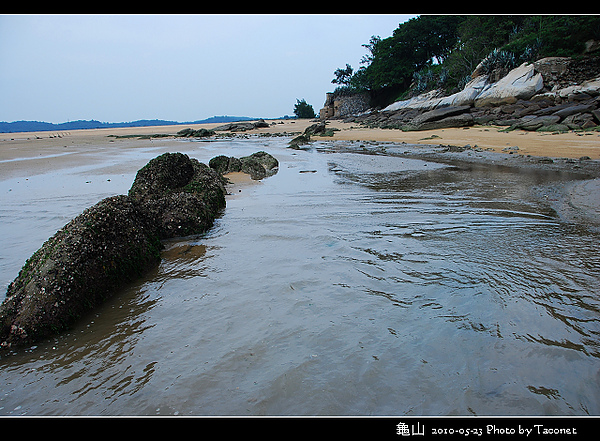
(441, 51)
(41, 126)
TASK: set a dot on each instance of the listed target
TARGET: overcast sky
(114, 68)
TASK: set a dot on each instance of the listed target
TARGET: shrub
(303, 110)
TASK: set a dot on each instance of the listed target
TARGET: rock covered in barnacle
(258, 165)
(182, 195)
(108, 245)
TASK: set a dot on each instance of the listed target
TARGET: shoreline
(29, 153)
(572, 145)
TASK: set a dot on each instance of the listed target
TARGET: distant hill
(40, 126)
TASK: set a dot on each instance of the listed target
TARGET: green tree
(343, 76)
(443, 51)
(415, 44)
(303, 110)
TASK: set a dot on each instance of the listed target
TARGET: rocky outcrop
(549, 94)
(453, 116)
(258, 165)
(241, 126)
(519, 84)
(319, 129)
(108, 245)
(191, 133)
(182, 195)
(344, 105)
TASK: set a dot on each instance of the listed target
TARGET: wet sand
(560, 145)
(30, 153)
(238, 182)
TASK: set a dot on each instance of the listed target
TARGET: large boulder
(96, 253)
(182, 195)
(520, 83)
(425, 101)
(258, 165)
(468, 95)
(108, 245)
(225, 164)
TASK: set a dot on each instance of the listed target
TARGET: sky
(120, 68)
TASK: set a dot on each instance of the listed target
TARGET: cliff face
(564, 91)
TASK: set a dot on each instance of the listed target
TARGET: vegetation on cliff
(432, 51)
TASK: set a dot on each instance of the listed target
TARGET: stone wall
(342, 106)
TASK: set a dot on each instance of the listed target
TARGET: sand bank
(25, 154)
(560, 145)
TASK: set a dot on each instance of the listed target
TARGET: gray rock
(554, 128)
(191, 133)
(520, 83)
(258, 165)
(570, 110)
(105, 247)
(439, 114)
(108, 245)
(241, 126)
(315, 129)
(463, 120)
(536, 123)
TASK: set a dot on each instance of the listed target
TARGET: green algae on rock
(182, 195)
(258, 165)
(96, 253)
(108, 245)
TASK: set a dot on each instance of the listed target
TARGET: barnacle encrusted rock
(258, 165)
(108, 245)
(181, 195)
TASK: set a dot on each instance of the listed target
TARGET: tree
(414, 45)
(343, 76)
(303, 110)
(450, 47)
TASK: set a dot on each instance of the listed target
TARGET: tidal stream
(349, 283)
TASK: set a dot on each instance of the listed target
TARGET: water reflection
(376, 285)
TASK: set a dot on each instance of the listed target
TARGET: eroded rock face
(520, 83)
(565, 88)
(108, 245)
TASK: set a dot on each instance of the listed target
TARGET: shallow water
(346, 284)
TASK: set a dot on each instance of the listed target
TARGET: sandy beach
(39, 152)
(559, 145)
(29, 153)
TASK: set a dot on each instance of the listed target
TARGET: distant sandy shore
(47, 151)
(561, 145)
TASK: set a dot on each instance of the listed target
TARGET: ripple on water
(377, 285)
